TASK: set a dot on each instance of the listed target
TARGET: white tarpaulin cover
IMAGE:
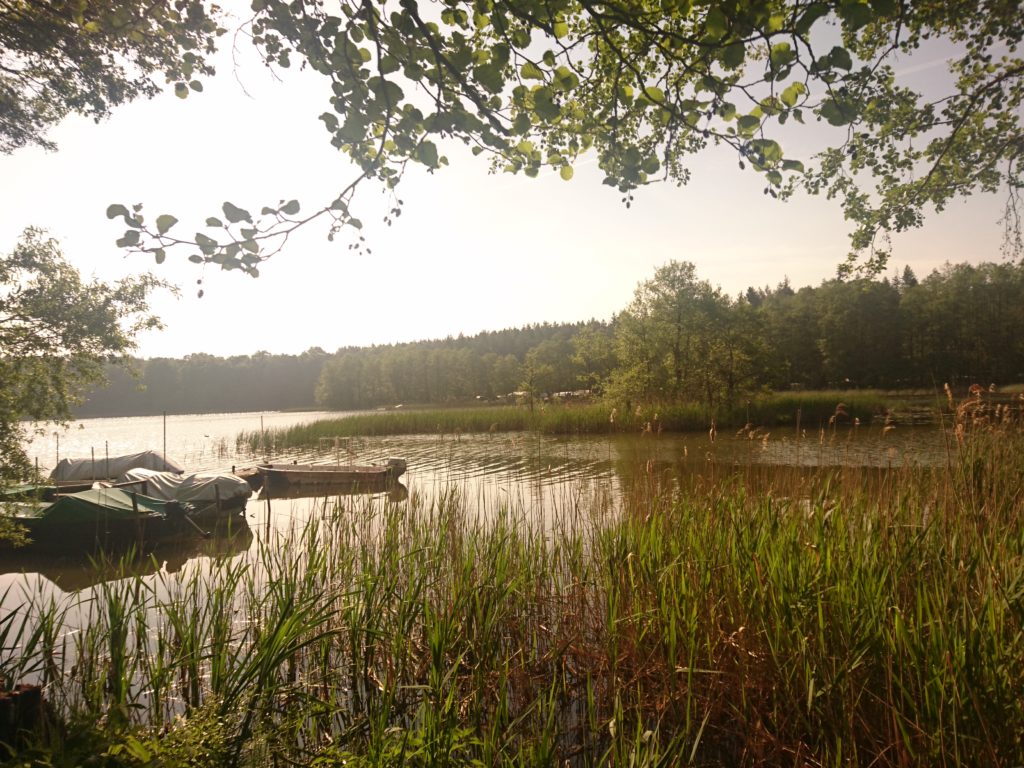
(201, 487)
(115, 466)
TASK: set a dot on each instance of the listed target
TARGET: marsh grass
(840, 617)
(809, 410)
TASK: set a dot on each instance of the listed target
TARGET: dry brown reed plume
(983, 410)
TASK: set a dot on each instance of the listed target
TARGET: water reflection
(75, 571)
(393, 490)
(537, 473)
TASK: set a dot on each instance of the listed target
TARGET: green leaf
(733, 55)
(181, 90)
(160, 255)
(164, 222)
(290, 208)
(561, 29)
(565, 79)
(530, 71)
(716, 25)
(565, 172)
(544, 105)
(426, 153)
(770, 150)
(213, 221)
(792, 94)
(115, 210)
(885, 7)
(654, 94)
(748, 123)
(206, 244)
(840, 58)
(811, 15)
(781, 56)
(837, 112)
(235, 214)
(196, 86)
(855, 14)
(490, 77)
(130, 238)
(195, 259)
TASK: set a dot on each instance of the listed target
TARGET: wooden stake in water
(92, 458)
(165, 439)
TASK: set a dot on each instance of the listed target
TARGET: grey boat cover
(103, 469)
(199, 488)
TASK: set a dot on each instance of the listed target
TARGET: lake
(541, 473)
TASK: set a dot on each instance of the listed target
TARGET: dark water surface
(540, 474)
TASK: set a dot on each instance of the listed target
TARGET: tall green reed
(851, 616)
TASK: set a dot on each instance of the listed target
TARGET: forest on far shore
(681, 339)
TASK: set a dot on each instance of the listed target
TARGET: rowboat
(282, 477)
(102, 519)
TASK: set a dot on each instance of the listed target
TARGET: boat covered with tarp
(100, 518)
(200, 490)
(109, 467)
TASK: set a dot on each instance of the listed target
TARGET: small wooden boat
(281, 477)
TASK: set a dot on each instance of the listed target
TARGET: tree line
(680, 339)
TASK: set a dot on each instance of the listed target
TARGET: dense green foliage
(643, 86)
(206, 384)
(63, 57)
(861, 617)
(56, 334)
(680, 341)
(683, 341)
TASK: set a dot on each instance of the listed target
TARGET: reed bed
(810, 410)
(850, 617)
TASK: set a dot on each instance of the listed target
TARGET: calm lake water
(541, 473)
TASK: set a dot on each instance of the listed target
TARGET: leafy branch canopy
(643, 85)
(57, 333)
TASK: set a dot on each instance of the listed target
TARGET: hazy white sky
(470, 252)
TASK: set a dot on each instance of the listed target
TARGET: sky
(471, 251)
